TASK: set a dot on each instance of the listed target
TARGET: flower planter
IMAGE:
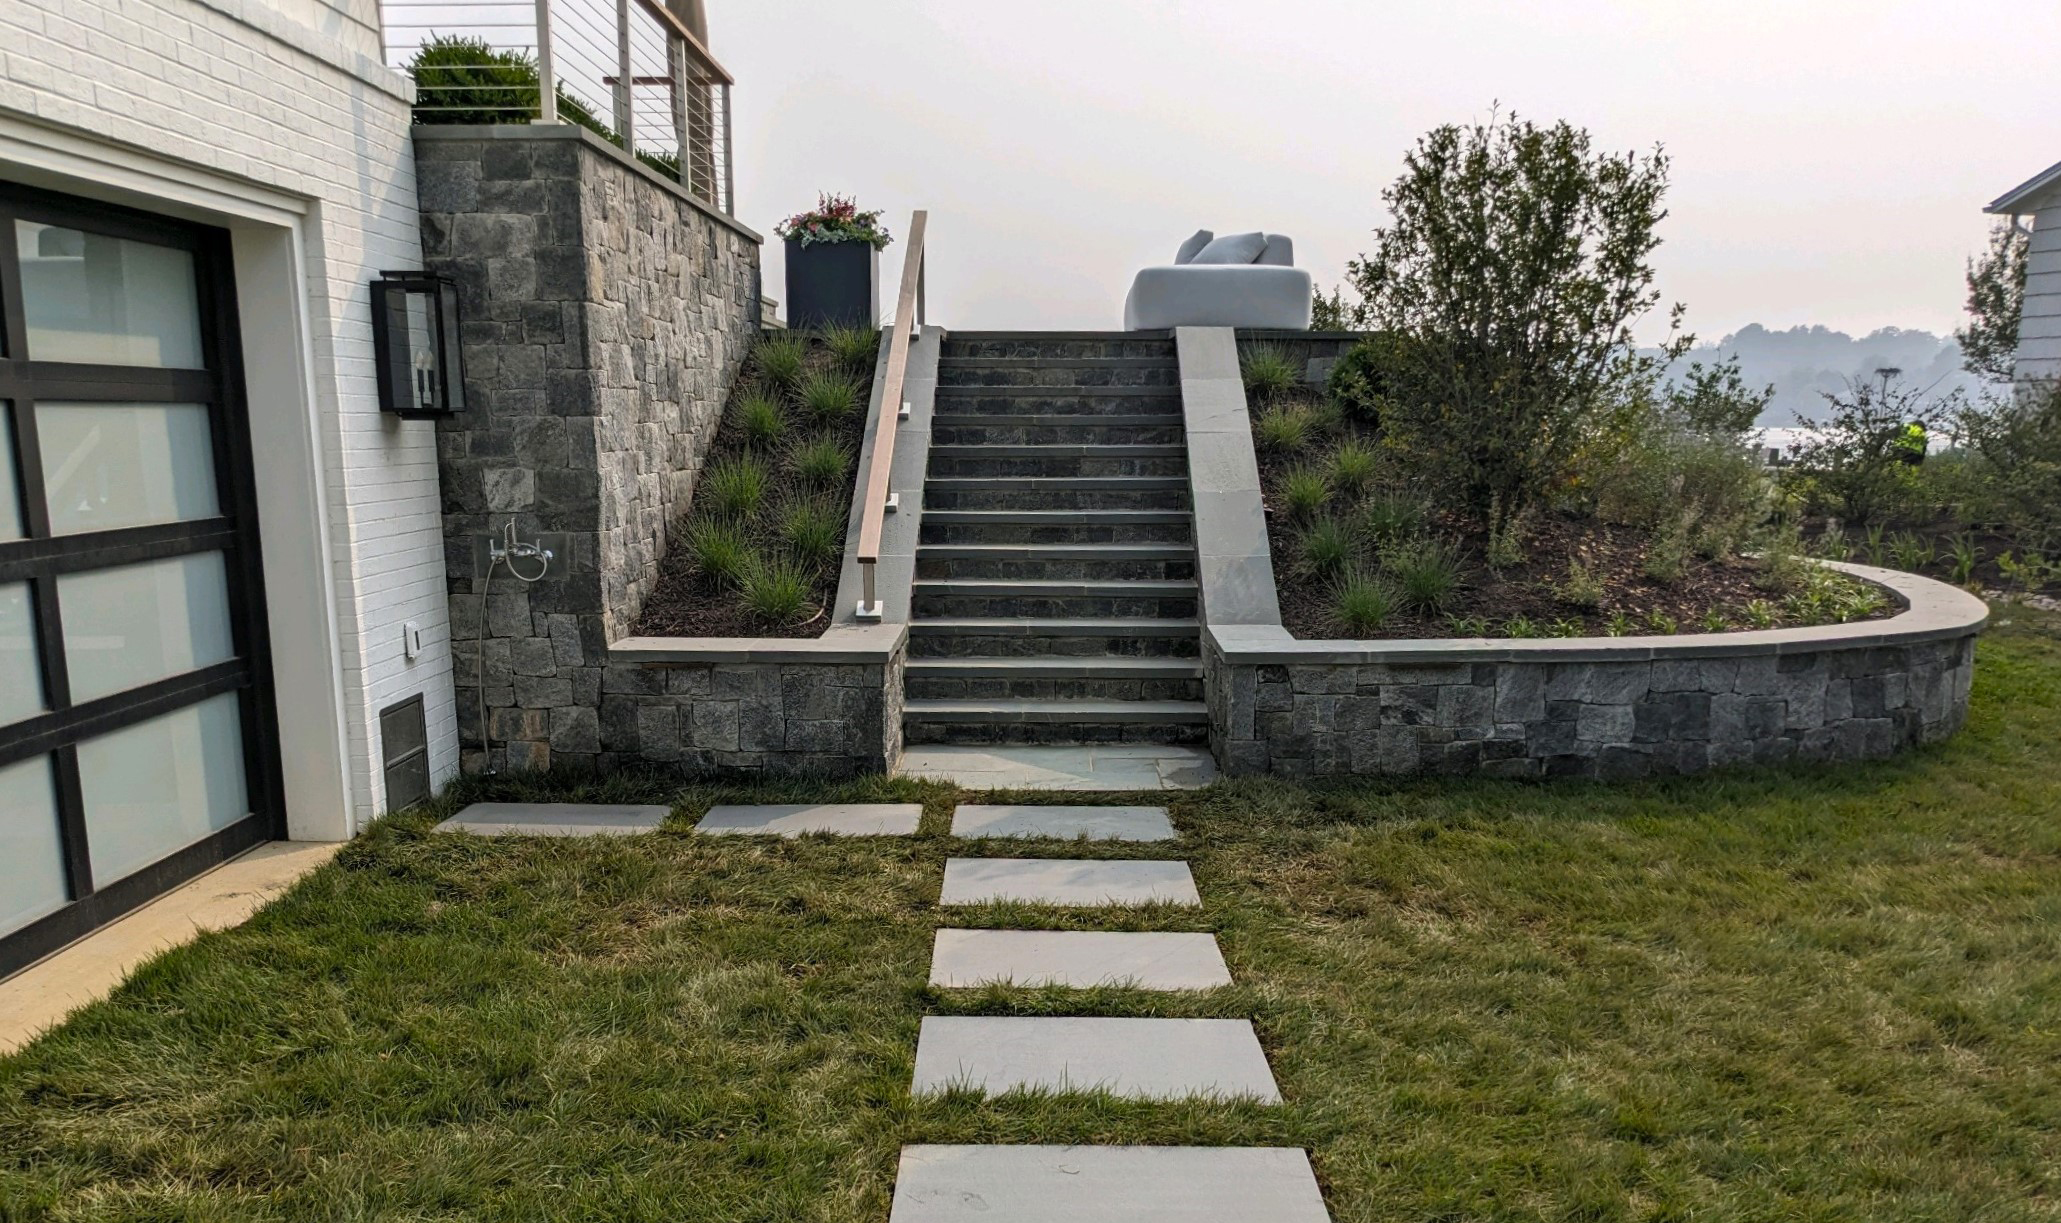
(833, 283)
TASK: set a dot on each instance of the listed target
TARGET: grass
(1823, 994)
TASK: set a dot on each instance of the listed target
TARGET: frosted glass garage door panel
(127, 626)
(108, 465)
(21, 679)
(31, 857)
(156, 787)
(107, 301)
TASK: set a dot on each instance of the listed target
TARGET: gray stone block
(838, 819)
(555, 819)
(1105, 1184)
(1143, 1059)
(1079, 959)
(1068, 882)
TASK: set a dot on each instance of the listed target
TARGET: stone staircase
(1055, 595)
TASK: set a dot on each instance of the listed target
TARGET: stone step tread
(556, 819)
(1170, 361)
(840, 819)
(1135, 484)
(1065, 822)
(1054, 626)
(1057, 667)
(1160, 961)
(1061, 517)
(1033, 709)
(1032, 390)
(1056, 552)
(1106, 1184)
(1140, 588)
(1164, 335)
(1056, 420)
(1058, 448)
(1069, 882)
(1138, 1059)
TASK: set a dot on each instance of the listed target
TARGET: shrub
(1856, 460)
(1426, 574)
(1353, 466)
(1326, 548)
(737, 486)
(1367, 375)
(1391, 517)
(1268, 372)
(1285, 429)
(1782, 565)
(854, 347)
(780, 360)
(1580, 588)
(828, 397)
(775, 591)
(2014, 446)
(1667, 556)
(1912, 553)
(820, 461)
(719, 550)
(1759, 613)
(1362, 603)
(459, 79)
(1304, 491)
(1874, 545)
(813, 531)
(761, 418)
(1515, 265)
(1966, 557)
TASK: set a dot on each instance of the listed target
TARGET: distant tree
(1996, 296)
(1515, 265)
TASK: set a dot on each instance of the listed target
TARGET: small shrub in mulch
(757, 553)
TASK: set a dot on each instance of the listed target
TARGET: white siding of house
(289, 95)
(2039, 327)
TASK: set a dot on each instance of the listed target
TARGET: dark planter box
(833, 283)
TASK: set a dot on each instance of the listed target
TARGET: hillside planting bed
(757, 554)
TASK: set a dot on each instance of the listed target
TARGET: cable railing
(629, 70)
(876, 499)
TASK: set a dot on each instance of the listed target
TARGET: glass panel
(107, 301)
(21, 680)
(10, 489)
(31, 855)
(136, 623)
(156, 787)
(109, 465)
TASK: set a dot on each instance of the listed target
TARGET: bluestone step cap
(1077, 959)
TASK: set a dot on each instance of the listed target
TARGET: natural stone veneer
(1615, 707)
(605, 316)
(1625, 707)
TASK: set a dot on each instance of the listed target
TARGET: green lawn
(1827, 994)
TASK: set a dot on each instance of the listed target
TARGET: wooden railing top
(665, 17)
(891, 383)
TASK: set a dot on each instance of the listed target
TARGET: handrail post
(547, 68)
(625, 121)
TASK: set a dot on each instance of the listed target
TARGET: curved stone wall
(1606, 708)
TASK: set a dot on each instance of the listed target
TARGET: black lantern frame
(415, 345)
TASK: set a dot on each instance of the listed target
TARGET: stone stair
(1055, 593)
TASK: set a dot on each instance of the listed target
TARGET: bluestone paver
(556, 819)
(1054, 1184)
(842, 819)
(1067, 881)
(1146, 1059)
(1082, 959)
(1064, 822)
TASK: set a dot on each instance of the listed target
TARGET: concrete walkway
(1147, 1059)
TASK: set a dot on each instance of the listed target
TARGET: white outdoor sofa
(1239, 280)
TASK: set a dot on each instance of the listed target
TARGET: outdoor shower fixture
(517, 553)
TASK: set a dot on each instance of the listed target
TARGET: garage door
(136, 732)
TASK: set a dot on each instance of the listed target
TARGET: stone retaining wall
(605, 314)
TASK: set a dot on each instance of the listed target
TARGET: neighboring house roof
(2027, 192)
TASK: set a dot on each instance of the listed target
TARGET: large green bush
(2013, 444)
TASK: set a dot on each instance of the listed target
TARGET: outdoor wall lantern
(415, 345)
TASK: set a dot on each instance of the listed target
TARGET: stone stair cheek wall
(605, 317)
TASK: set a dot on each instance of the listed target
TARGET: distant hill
(1804, 362)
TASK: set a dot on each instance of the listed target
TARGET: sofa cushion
(1232, 248)
(1280, 252)
(1201, 239)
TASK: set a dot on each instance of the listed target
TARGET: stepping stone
(1067, 823)
(1031, 1184)
(556, 819)
(1144, 1059)
(1079, 958)
(1067, 881)
(844, 819)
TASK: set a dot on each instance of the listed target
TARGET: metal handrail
(878, 503)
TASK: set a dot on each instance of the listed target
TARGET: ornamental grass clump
(1353, 466)
(813, 531)
(1286, 429)
(1304, 491)
(853, 347)
(820, 462)
(721, 553)
(1362, 603)
(761, 418)
(780, 360)
(1326, 548)
(1426, 573)
(828, 397)
(775, 591)
(1268, 372)
(737, 486)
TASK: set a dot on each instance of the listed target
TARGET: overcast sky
(1831, 159)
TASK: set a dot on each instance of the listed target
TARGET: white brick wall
(289, 94)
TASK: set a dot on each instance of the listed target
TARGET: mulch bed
(685, 603)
